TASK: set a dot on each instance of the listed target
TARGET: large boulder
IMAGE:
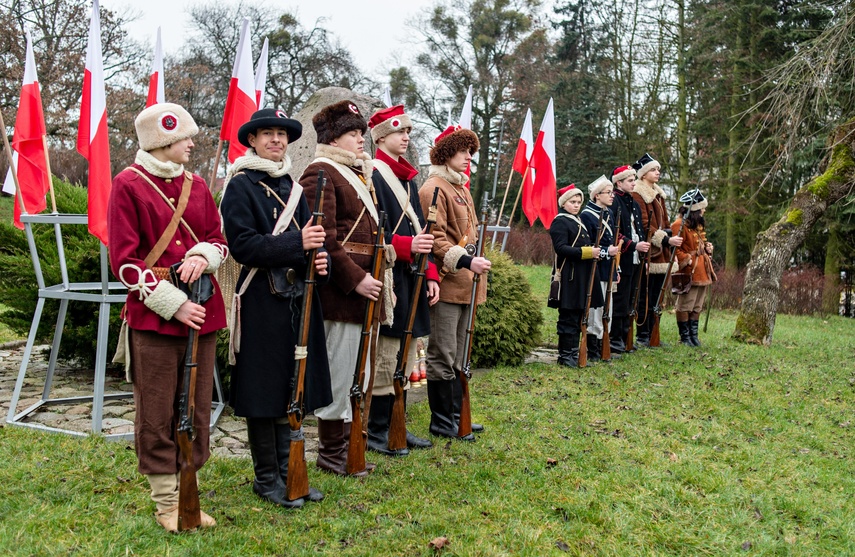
(302, 152)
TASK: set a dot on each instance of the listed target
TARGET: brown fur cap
(450, 142)
(337, 119)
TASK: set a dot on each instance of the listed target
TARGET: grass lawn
(728, 449)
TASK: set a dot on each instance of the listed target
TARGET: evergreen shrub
(508, 324)
(19, 290)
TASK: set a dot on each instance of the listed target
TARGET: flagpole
(504, 198)
(8, 149)
(50, 175)
(213, 182)
(519, 194)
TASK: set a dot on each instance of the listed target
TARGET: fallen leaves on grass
(439, 543)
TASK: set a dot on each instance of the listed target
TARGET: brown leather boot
(332, 447)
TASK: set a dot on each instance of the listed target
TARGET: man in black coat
(267, 218)
(627, 216)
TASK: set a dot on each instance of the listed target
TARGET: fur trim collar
(451, 176)
(648, 192)
(345, 157)
(158, 167)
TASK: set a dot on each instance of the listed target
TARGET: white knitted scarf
(157, 167)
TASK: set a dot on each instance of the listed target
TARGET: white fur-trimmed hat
(163, 124)
(388, 121)
(598, 185)
(644, 165)
(622, 173)
(695, 199)
(565, 193)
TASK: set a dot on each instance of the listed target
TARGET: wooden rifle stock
(657, 309)
(356, 448)
(583, 342)
(189, 513)
(397, 424)
(465, 426)
(297, 482)
(606, 353)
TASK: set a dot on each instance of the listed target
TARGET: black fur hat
(337, 119)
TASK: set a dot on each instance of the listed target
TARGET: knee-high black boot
(617, 336)
(267, 484)
(413, 441)
(693, 332)
(379, 420)
(441, 401)
(594, 347)
(283, 453)
(568, 350)
(458, 405)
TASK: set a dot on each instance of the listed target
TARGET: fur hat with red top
(568, 192)
(622, 173)
(388, 121)
(163, 124)
(337, 119)
(451, 141)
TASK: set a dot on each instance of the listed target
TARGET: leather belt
(362, 249)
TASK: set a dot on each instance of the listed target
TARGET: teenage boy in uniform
(455, 235)
(627, 217)
(398, 196)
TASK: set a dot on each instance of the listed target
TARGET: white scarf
(157, 167)
(252, 161)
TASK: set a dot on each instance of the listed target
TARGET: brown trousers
(447, 341)
(157, 363)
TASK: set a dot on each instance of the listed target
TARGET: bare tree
(811, 93)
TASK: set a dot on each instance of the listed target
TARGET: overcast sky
(353, 23)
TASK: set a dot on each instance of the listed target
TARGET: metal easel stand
(97, 292)
(504, 231)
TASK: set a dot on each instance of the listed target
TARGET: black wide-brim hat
(270, 118)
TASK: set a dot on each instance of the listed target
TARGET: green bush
(508, 323)
(19, 291)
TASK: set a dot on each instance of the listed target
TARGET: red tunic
(136, 218)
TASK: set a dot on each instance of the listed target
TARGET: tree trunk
(831, 285)
(775, 246)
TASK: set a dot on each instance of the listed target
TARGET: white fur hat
(163, 124)
(598, 185)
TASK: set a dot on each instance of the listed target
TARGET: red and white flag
(466, 113)
(29, 143)
(525, 146)
(522, 159)
(466, 122)
(9, 182)
(155, 82)
(544, 189)
(261, 76)
(241, 101)
(92, 140)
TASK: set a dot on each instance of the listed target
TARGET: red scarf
(402, 168)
